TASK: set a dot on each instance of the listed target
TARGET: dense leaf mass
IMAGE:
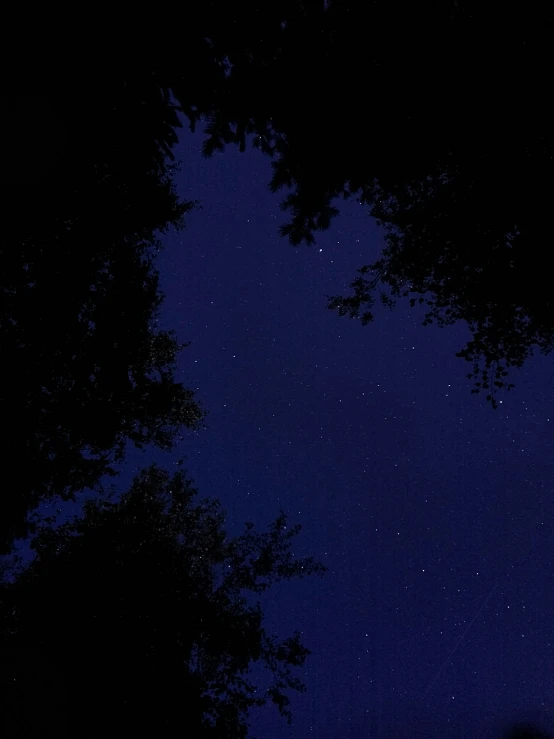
(148, 615)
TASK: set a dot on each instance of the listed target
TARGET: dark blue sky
(432, 511)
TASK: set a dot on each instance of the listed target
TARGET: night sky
(432, 511)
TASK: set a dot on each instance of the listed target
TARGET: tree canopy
(435, 118)
(443, 132)
(89, 368)
(148, 616)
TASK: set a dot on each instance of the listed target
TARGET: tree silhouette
(447, 141)
(149, 615)
(459, 182)
(459, 174)
(89, 369)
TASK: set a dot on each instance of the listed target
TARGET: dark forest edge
(460, 186)
(90, 369)
(462, 191)
(143, 615)
(464, 229)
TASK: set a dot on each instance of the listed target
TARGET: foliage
(433, 142)
(447, 140)
(460, 186)
(149, 613)
(89, 369)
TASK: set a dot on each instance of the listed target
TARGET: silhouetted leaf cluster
(148, 614)
(88, 367)
(420, 120)
(434, 117)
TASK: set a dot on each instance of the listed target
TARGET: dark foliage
(443, 133)
(443, 130)
(148, 616)
(88, 368)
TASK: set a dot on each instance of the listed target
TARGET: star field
(432, 511)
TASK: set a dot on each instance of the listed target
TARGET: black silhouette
(88, 368)
(444, 133)
(146, 614)
(461, 186)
